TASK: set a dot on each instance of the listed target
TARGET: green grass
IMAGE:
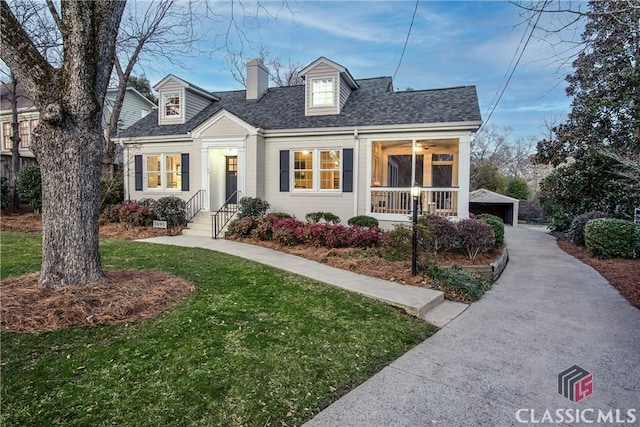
(253, 346)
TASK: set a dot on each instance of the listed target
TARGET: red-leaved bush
(137, 214)
(475, 236)
(290, 231)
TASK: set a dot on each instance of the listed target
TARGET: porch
(439, 166)
(432, 200)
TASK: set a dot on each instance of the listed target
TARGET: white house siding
(170, 86)
(297, 203)
(322, 71)
(194, 104)
(224, 127)
(132, 107)
(168, 147)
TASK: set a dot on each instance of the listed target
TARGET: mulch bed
(32, 223)
(128, 296)
(623, 274)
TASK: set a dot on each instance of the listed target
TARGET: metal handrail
(194, 205)
(223, 215)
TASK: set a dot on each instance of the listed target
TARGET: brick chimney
(257, 79)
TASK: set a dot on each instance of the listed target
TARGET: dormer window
(172, 105)
(322, 92)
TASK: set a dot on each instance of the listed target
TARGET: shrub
(252, 206)
(437, 234)
(30, 186)
(4, 194)
(611, 238)
(576, 230)
(498, 227)
(337, 236)
(459, 280)
(171, 209)
(363, 221)
(137, 214)
(476, 237)
(560, 222)
(365, 237)
(288, 231)
(242, 227)
(316, 217)
(263, 229)
(148, 202)
(111, 213)
(111, 192)
(281, 215)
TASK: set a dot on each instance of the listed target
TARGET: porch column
(464, 172)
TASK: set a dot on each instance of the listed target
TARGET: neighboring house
(336, 144)
(134, 107)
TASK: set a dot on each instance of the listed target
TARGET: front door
(231, 178)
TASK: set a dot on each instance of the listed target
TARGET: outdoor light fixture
(415, 194)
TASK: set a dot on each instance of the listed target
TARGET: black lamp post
(415, 194)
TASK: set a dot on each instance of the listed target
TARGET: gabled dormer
(179, 100)
(327, 87)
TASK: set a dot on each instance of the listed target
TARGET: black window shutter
(284, 170)
(137, 171)
(185, 171)
(347, 170)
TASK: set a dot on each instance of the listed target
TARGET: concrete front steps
(199, 226)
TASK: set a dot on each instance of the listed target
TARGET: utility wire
(407, 40)
(533, 28)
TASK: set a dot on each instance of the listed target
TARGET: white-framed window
(317, 170)
(322, 92)
(25, 129)
(6, 135)
(163, 172)
(172, 104)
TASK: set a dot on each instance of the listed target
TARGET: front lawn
(252, 346)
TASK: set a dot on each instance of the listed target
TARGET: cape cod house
(338, 144)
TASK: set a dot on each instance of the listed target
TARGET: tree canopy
(604, 118)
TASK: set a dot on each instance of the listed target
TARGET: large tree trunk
(68, 140)
(70, 161)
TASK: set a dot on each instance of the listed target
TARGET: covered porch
(437, 166)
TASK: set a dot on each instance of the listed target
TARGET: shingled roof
(374, 103)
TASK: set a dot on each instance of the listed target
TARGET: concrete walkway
(546, 313)
(427, 304)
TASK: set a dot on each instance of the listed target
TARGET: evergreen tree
(605, 116)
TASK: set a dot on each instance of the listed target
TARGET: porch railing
(432, 200)
(223, 215)
(194, 205)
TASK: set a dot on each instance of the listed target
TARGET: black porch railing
(194, 205)
(223, 215)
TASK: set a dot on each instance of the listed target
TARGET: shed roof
(486, 196)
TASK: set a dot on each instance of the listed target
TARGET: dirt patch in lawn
(127, 296)
(32, 223)
(623, 274)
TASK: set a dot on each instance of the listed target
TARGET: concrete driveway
(497, 364)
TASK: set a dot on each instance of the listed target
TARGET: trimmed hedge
(612, 238)
(498, 227)
(252, 206)
(363, 221)
(171, 209)
(437, 234)
(576, 230)
(29, 184)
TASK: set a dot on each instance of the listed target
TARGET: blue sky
(451, 43)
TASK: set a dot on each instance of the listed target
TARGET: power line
(407, 40)
(533, 27)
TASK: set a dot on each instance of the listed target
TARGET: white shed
(485, 201)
